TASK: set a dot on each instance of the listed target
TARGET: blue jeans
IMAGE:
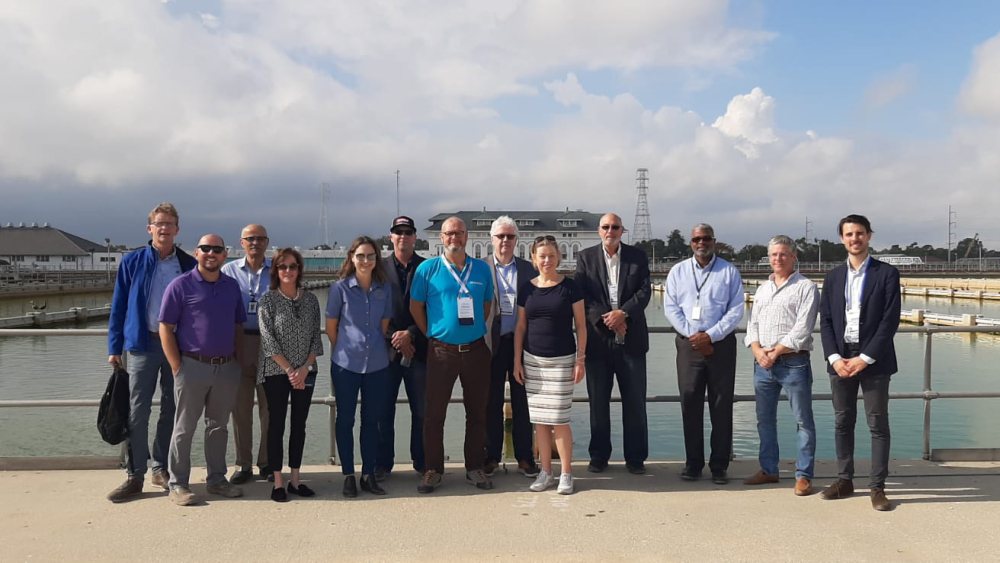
(145, 369)
(373, 387)
(794, 374)
(414, 379)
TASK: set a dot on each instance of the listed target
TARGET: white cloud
(981, 91)
(751, 118)
(891, 86)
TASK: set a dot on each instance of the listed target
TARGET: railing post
(333, 429)
(927, 389)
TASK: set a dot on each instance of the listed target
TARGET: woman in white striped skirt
(548, 360)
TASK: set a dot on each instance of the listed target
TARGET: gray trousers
(201, 387)
(243, 409)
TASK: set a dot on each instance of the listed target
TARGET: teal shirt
(434, 286)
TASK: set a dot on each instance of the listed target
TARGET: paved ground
(943, 513)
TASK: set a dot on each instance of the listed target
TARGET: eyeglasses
(211, 248)
(506, 237)
(362, 257)
(294, 266)
(611, 227)
(253, 239)
(405, 232)
(162, 224)
(450, 234)
(699, 240)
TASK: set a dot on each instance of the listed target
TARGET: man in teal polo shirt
(449, 300)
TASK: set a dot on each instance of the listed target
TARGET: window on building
(69, 259)
(564, 250)
(19, 258)
(42, 259)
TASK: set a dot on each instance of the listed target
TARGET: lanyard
(461, 282)
(694, 277)
(252, 287)
(506, 276)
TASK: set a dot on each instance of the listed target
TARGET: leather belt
(252, 331)
(851, 350)
(214, 360)
(461, 348)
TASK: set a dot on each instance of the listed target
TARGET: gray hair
(502, 221)
(783, 240)
(704, 227)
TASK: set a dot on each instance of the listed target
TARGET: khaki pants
(243, 409)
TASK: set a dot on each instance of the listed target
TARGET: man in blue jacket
(134, 326)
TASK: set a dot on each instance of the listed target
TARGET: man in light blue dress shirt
(253, 274)
(704, 303)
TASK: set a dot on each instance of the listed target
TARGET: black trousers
(630, 371)
(716, 375)
(278, 389)
(875, 392)
(502, 369)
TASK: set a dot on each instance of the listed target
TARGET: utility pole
(952, 224)
(805, 241)
(397, 192)
(324, 222)
(643, 230)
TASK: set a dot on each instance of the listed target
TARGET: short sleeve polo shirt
(436, 287)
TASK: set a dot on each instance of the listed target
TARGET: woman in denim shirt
(357, 321)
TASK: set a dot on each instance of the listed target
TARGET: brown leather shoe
(841, 488)
(760, 478)
(803, 487)
(879, 502)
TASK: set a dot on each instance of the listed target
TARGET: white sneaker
(543, 481)
(565, 484)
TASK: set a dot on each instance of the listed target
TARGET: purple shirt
(204, 314)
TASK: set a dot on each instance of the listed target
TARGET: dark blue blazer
(880, 304)
(525, 273)
(633, 296)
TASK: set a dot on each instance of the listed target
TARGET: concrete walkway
(944, 512)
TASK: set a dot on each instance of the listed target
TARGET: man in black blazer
(409, 355)
(617, 342)
(509, 274)
(859, 315)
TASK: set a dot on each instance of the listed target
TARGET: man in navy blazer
(859, 315)
(617, 342)
(510, 273)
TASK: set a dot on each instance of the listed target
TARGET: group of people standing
(211, 335)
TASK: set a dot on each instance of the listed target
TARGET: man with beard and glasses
(704, 303)
(201, 325)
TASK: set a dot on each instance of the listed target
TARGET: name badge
(466, 311)
(507, 304)
(696, 313)
(252, 308)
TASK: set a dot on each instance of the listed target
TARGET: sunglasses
(699, 240)
(506, 237)
(541, 238)
(253, 239)
(294, 266)
(362, 257)
(211, 248)
(405, 232)
(611, 227)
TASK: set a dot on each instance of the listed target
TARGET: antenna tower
(642, 230)
(324, 223)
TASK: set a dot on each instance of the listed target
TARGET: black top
(549, 312)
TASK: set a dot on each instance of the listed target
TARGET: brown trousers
(243, 409)
(445, 363)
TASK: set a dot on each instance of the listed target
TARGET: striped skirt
(549, 384)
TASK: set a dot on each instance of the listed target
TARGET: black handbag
(112, 416)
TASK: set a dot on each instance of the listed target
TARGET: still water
(40, 367)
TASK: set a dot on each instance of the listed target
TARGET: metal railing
(927, 395)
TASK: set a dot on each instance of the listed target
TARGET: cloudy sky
(750, 115)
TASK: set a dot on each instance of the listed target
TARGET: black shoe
(690, 473)
(597, 466)
(302, 490)
(350, 487)
(381, 474)
(279, 495)
(263, 473)
(841, 488)
(241, 476)
(368, 483)
(720, 477)
(636, 468)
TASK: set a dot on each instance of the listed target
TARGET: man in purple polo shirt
(200, 327)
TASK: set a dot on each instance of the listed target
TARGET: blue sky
(751, 115)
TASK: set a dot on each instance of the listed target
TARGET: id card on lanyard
(253, 289)
(507, 295)
(696, 310)
(466, 306)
